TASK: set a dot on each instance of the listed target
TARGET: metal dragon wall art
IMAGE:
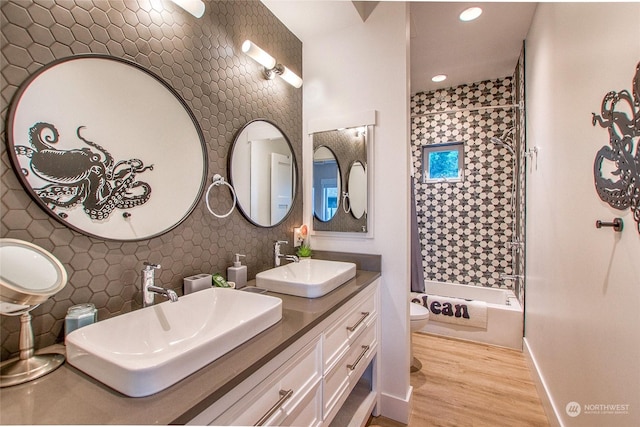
(620, 115)
(107, 148)
(87, 176)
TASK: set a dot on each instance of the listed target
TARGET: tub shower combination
(491, 315)
(504, 317)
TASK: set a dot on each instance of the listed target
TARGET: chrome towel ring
(346, 203)
(217, 181)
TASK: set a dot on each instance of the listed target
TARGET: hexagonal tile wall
(201, 60)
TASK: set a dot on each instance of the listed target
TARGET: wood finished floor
(469, 384)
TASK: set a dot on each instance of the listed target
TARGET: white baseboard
(398, 409)
(543, 392)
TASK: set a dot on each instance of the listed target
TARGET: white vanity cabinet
(343, 332)
(309, 382)
(349, 346)
(289, 393)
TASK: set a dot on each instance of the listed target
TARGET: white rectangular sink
(145, 351)
(310, 278)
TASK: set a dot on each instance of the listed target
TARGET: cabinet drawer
(309, 411)
(339, 381)
(279, 395)
(341, 334)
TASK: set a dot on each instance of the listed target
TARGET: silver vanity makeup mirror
(29, 275)
(263, 170)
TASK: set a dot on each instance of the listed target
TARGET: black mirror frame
(340, 183)
(295, 172)
(29, 189)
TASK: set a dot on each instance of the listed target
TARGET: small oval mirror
(326, 184)
(29, 275)
(357, 187)
(262, 170)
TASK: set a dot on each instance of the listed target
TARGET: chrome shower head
(498, 141)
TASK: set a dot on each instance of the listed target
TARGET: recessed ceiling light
(439, 78)
(470, 14)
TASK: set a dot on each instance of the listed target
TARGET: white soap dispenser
(237, 273)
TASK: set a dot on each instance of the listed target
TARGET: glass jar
(78, 316)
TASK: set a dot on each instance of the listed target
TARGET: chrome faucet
(277, 255)
(149, 289)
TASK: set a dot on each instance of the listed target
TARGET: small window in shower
(443, 162)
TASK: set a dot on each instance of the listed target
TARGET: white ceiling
(465, 51)
(440, 43)
(310, 18)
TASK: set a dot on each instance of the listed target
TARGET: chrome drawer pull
(284, 396)
(365, 348)
(354, 327)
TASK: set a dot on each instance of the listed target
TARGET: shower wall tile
(464, 226)
(202, 61)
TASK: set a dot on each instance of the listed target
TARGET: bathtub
(505, 320)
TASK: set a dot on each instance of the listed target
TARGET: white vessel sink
(147, 350)
(310, 278)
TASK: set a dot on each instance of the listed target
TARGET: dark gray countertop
(68, 396)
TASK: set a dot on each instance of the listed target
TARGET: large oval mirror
(262, 170)
(326, 184)
(357, 188)
(107, 148)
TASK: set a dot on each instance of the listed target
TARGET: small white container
(196, 283)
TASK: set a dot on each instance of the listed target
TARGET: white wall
(583, 284)
(365, 67)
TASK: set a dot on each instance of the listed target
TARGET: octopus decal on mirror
(90, 136)
(619, 183)
(82, 175)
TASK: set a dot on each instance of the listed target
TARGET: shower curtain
(417, 272)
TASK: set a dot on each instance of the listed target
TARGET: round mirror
(326, 184)
(29, 275)
(107, 148)
(357, 187)
(262, 170)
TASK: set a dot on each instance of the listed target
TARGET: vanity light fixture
(194, 7)
(470, 14)
(271, 66)
(439, 78)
